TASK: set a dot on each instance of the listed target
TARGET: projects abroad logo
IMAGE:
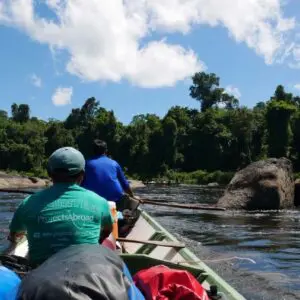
(78, 220)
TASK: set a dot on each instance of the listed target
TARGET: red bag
(163, 283)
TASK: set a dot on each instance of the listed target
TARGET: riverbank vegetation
(186, 145)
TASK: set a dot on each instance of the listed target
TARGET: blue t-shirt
(105, 177)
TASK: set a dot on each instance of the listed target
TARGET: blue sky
(138, 57)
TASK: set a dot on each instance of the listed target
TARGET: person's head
(99, 147)
(66, 165)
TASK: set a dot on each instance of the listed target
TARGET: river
(257, 253)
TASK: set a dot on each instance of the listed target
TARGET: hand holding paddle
(138, 199)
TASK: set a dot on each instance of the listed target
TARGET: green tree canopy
(221, 136)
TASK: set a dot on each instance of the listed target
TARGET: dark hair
(100, 147)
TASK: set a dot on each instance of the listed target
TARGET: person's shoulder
(96, 199)
(112, 161)
(90, 162)
(43, 193)
(35, 197)
(107, 158)
(98, 160)
(90, 194)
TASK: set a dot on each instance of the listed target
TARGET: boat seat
(147, 249)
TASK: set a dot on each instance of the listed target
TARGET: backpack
(80, 272)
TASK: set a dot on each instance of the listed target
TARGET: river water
(257, 253)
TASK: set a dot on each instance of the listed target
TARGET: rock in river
(262, 185)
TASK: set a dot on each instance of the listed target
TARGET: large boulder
(262, 185)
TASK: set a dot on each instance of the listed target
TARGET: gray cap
(67, 159)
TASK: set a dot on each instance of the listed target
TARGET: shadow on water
(266, 244)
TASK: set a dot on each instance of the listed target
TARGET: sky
(138, 56)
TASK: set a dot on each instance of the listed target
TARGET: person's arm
(105, 232)
(17, 228)
(123, 180)
(106, 223)
(125, 184)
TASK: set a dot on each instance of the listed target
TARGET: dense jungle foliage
(220, 137)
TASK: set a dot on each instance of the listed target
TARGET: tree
(208, 139)
(206, 90)
(74, 119)
(89, 110)
(281, 95)
(3, 114)
(20, 113)
(279, 134)
(222, 136)
(14, 111)
(57, 136)
(170, 131)
(238, 152)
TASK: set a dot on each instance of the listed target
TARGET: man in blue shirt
(105, 177)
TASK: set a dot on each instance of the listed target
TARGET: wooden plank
(155, 243)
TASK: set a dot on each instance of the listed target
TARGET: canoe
(149, 244)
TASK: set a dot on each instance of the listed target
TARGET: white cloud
(297, 86)
(62, 96)
(234, 91)
(35, 80)
(106, 41)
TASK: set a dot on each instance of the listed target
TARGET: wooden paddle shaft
(154, 243)
(182, 205)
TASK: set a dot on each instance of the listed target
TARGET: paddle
(181, 205)
(143, 201)
(154, 243)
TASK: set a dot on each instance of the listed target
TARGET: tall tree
(280, 94)
(20, 113)
(206, 90)
(279, 134)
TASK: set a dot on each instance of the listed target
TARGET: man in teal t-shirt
(64, 214)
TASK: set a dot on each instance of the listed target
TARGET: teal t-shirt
(58, 217)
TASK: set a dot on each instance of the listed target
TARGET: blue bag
(9, 284)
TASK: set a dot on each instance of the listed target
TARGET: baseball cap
(67, 159)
